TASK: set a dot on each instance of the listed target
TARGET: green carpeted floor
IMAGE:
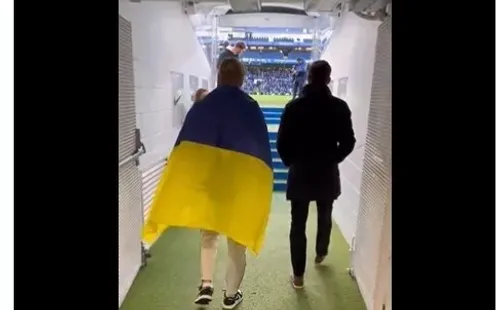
(170, 280)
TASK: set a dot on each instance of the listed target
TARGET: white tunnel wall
(163, 41)
(351, 54)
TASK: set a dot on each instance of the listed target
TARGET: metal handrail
(132, 157)
(146, 202)
(150, 179)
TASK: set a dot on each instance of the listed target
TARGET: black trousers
(298, 239)
(298, 85)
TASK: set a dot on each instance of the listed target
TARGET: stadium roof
(309, 6)
(271, 30)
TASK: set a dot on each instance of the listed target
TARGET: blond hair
(199, 94)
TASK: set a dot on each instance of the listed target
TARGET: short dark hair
(319, 72)
(241, 44)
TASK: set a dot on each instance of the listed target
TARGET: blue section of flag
(230, 119)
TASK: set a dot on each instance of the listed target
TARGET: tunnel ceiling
(310, 6)
(245, 5)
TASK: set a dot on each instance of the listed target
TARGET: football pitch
(271, 100)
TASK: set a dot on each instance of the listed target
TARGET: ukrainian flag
(219, 175)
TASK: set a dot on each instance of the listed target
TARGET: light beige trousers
(235, 268)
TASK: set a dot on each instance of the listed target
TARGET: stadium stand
(269, 61)
(268, 80)
(284, 40)
(269, 71)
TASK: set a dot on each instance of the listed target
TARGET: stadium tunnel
(164, 55)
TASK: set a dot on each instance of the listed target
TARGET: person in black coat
(315, 135)
(231, 52)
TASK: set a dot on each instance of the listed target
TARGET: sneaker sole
(297, 287)
(203, 300)
(228, 307)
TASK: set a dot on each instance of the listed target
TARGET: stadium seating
(265, 55)
(268, 80)
(276, 55)
(304, 55)
(253, 39)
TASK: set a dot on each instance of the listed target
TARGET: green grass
(271, 100)
(169, 281)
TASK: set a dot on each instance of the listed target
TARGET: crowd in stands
(268, 80)
(266, 39)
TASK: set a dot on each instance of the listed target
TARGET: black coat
(314, 136)
(225, 54)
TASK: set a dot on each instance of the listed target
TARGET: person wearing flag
(219, 179)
